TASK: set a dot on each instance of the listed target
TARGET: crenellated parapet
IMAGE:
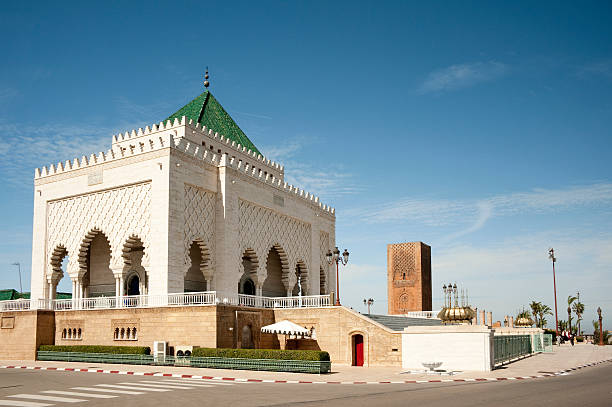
(195, 141)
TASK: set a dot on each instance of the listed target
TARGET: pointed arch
(277, 280)
(57, 256)
(132, 254)
(198, 273)
(249, 267)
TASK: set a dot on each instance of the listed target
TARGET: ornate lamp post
(600, 327)
(19, 269)
(368, 302)
(335, 258)
(551, 256)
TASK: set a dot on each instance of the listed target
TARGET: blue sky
(480, 128)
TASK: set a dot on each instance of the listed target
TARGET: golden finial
(206, 83)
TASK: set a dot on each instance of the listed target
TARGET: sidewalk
(563, 358)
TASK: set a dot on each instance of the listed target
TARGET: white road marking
(123, 387)
(74, 393)
(16, 403)
(46, 398)
(158, 385)
(189, 384)
(108, 390)
(207, 381)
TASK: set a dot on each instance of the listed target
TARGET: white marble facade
(175, 208)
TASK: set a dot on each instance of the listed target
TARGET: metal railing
(301, 366)
(422, 314)
(169, 300)
(510, 347)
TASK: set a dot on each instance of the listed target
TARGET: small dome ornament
(523, 320)
(455, 314)
(206, 83)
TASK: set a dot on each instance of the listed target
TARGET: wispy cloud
(461, 76)
(599, 68)
(479, 211)
(329, 181)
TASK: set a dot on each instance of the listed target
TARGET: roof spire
(206, 83)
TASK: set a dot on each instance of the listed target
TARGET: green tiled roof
(10, 294)
(207, 111)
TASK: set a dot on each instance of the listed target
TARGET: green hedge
(122, 350)
(262, 354)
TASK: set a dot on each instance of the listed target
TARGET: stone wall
(22, 332)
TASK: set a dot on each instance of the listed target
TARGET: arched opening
(59, 269)
(301, 274)
(250, 263)
(357, 350)
(133, 252)
(195, 280)
(246, 338)
(133, 285)
(322, 282)
(276, 266)
(246, 286)
(94, 258)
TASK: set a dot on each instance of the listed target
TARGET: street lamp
(551, 256)
(19, 269)
(335, 257)
(368, 302)
(600, 327)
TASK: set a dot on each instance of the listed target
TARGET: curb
(242, 380)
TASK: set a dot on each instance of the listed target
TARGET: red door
(358, 350)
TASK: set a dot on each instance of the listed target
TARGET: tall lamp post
(19, 269)
(600, 327)
(551, 256)
(335, 257)
(368, 302)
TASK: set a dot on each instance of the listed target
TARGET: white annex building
(186, 205)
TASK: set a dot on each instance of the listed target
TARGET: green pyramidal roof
(207, 111)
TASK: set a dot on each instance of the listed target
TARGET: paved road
(34, 388)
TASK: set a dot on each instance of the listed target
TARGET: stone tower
(409, 277)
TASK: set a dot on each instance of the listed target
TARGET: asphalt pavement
(36, 388)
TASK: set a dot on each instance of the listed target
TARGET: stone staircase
(398, 323)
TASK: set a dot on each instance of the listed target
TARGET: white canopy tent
(287, 328)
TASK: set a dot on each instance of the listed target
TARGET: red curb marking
(207, 377)
(280, 381)
(410, 381)
(435, 381)
(99, 371)
(83, 370)
(228, 378)
(302, 381)
(37, 367)
(69, 369)
(187, 376)
(502, 378)
(129, 372)
(384, 382)
(52, 368)
(24, 367)
(458, 380)
(254, 380)
(10, 367)
(114, 371)
(149, 374)
(167, 374)
(481, 380)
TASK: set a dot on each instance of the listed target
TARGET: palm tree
(579, 311)
(539, 312)
(570, 300)
(536, 307)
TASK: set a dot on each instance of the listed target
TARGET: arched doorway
(248, 287)
(250, 263)
(357, 349)
(133, 285)
(276, 265)
(94, 258)
(194, 280)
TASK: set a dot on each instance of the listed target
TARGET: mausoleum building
(186, 205)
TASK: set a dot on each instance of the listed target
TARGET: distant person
(571, 339)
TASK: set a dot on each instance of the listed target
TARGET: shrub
(124, 350)
(262, 354)
(579, 339)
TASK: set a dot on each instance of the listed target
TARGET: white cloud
(462, 76)
(442, 212)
